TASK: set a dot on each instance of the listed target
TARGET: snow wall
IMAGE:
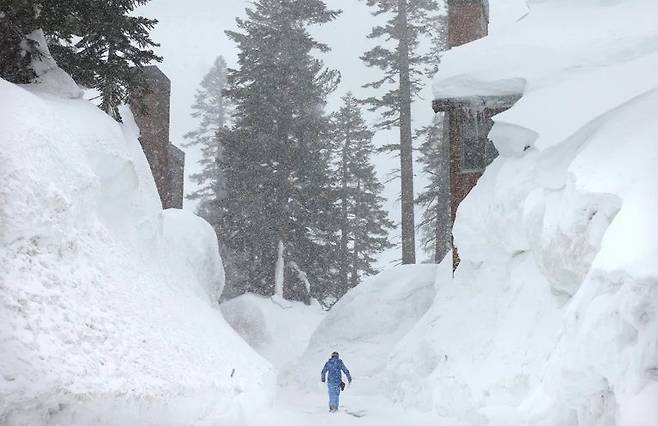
(108, 305)
(365, 324)
(552, 317)
(276, 328)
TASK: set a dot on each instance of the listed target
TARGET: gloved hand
(322, 379)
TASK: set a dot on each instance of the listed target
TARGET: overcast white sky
(191, 34)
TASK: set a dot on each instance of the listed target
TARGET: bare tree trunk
(279, 271)
(354, 279)
(108, 90)
(283, 189)
(406, 149)
(344, 237)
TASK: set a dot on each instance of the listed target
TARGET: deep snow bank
(279, 330)
(552, 318)
(108, 307)
(366, 324)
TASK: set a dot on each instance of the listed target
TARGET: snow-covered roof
(554, 38)
(474, 102)
(572, 60)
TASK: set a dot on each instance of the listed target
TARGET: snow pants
(334, 392)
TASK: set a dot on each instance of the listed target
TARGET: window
(477, 150)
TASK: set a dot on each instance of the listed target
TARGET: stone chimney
(468, 20)
(151, 113)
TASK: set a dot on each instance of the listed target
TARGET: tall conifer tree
(403, 66)
(211, 109)
(436, 223)
(114, 45)
(278, 211)
(364, 224)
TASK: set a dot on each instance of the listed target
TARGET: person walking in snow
(332, 374)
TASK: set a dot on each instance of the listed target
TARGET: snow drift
(366, 324)
(278, 329)
(552, 317)
(108, 305)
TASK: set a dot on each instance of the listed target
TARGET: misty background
(191, 36)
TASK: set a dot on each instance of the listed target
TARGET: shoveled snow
(108, 308)
(276, 328)
(108, 305)
(552, 317)
(366, 324)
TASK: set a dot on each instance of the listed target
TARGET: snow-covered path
(296, 408)
(297, 339)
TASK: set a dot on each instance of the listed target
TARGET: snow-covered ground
(108, 308)
(363, 326)
(276, 328)
(108, 305)
(295, 408)
(552, 318)
(366, 324)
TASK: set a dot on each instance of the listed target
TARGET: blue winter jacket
(332, 368)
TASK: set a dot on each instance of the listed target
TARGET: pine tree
(436, 223)
(100, 43)
(211, 109)
(278, 215)
(20, 20)
(364, 224)
(113, 48)
(403, 66)
(16, 56)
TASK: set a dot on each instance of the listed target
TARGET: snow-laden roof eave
(475, 102)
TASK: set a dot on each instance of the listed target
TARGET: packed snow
(276, 328)
(558, 284)
(112, 302)
(108, 305)
(551, 318)
(366, 323)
